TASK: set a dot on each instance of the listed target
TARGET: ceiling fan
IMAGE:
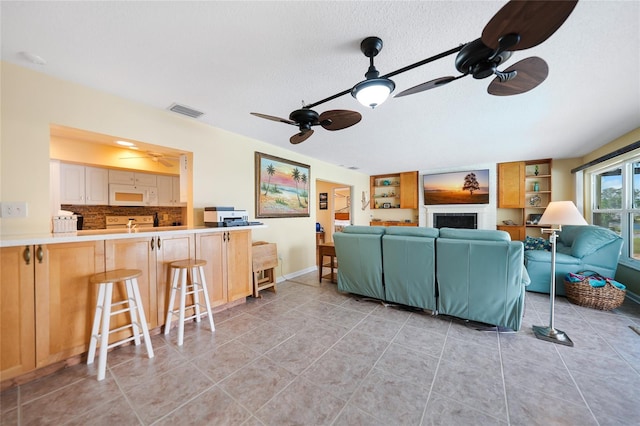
(305, 118)
(157, 157)
(518, 25)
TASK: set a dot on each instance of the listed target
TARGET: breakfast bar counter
(110, 234)
(47, 302)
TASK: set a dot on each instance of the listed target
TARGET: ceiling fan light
(373, 92)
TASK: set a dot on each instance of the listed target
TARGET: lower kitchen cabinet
(228, 269)
(47, 304)
(17, 316)
(64, 298)
(152, 255)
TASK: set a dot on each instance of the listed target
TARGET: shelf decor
(282, 187)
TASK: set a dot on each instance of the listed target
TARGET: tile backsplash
(94, 216)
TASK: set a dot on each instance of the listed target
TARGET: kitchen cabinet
(83, 185)
(132, 178)
(51, 287)
(169, 191)
(396, 190)
(524, 191)
(152, 255)
(17, 312)
(228, 269)
(64, 299)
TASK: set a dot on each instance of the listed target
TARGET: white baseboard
(296, 274)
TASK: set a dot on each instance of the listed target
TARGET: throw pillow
(531, 243)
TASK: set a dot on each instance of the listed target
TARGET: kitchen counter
(110, 234)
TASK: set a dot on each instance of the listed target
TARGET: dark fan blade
(274, 118)
(338, 119)
(530, 73)
(301, 137)
(533, 21)
(428, 85)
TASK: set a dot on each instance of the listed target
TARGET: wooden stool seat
(117, 275)
(102, 317)
(190, 263)
(187, 276)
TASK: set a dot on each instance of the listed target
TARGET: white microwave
(130, 195)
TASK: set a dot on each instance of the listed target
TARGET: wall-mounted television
(468, 187)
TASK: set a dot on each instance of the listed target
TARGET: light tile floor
(309, 355)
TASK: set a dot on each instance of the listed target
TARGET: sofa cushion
(412, 231)
(474, 234)
(355, 229)
(591, 239)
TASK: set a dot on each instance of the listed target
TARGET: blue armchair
(578, 248)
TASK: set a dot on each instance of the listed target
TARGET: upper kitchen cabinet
(83, 185)
(132, 178)
(169, 191)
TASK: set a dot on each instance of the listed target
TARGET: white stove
(119, 222)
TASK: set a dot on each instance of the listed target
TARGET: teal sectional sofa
(481, 276)
(578, 248)
(471, 274)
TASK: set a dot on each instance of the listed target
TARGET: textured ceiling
(228, 59)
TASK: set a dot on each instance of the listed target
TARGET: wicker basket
(603, 298)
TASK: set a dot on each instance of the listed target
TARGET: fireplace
(455, 220)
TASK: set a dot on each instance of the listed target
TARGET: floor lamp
(557, 213)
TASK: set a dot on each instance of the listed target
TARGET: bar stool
(188, 277)
(100, 331)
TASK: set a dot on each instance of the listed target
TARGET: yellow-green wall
(223, 169)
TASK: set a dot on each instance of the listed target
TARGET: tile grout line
(435, 373)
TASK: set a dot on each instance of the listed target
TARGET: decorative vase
(536, 186)
(536, 172)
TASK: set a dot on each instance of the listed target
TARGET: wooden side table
(327, 249)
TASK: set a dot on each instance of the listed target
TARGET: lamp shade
(372, 92)
(562, 213)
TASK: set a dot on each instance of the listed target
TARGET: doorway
(333, 207)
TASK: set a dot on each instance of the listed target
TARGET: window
(616, 205)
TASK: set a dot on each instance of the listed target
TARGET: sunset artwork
(282, 187)
(470, 187)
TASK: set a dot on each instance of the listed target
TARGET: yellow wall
(223, 162)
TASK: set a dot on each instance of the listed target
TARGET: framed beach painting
(282, 187)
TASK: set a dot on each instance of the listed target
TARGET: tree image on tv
(470, 183)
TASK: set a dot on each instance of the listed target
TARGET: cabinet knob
(40, 254)
(159, 244)
(153, 243)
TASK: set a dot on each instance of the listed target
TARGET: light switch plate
(16, 209)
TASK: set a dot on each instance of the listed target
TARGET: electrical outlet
(16, 209)
(165, 217)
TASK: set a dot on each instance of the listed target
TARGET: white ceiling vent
(185, 110)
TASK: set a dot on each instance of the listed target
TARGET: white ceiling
(228, 59)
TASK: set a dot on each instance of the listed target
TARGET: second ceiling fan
(518, 25)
